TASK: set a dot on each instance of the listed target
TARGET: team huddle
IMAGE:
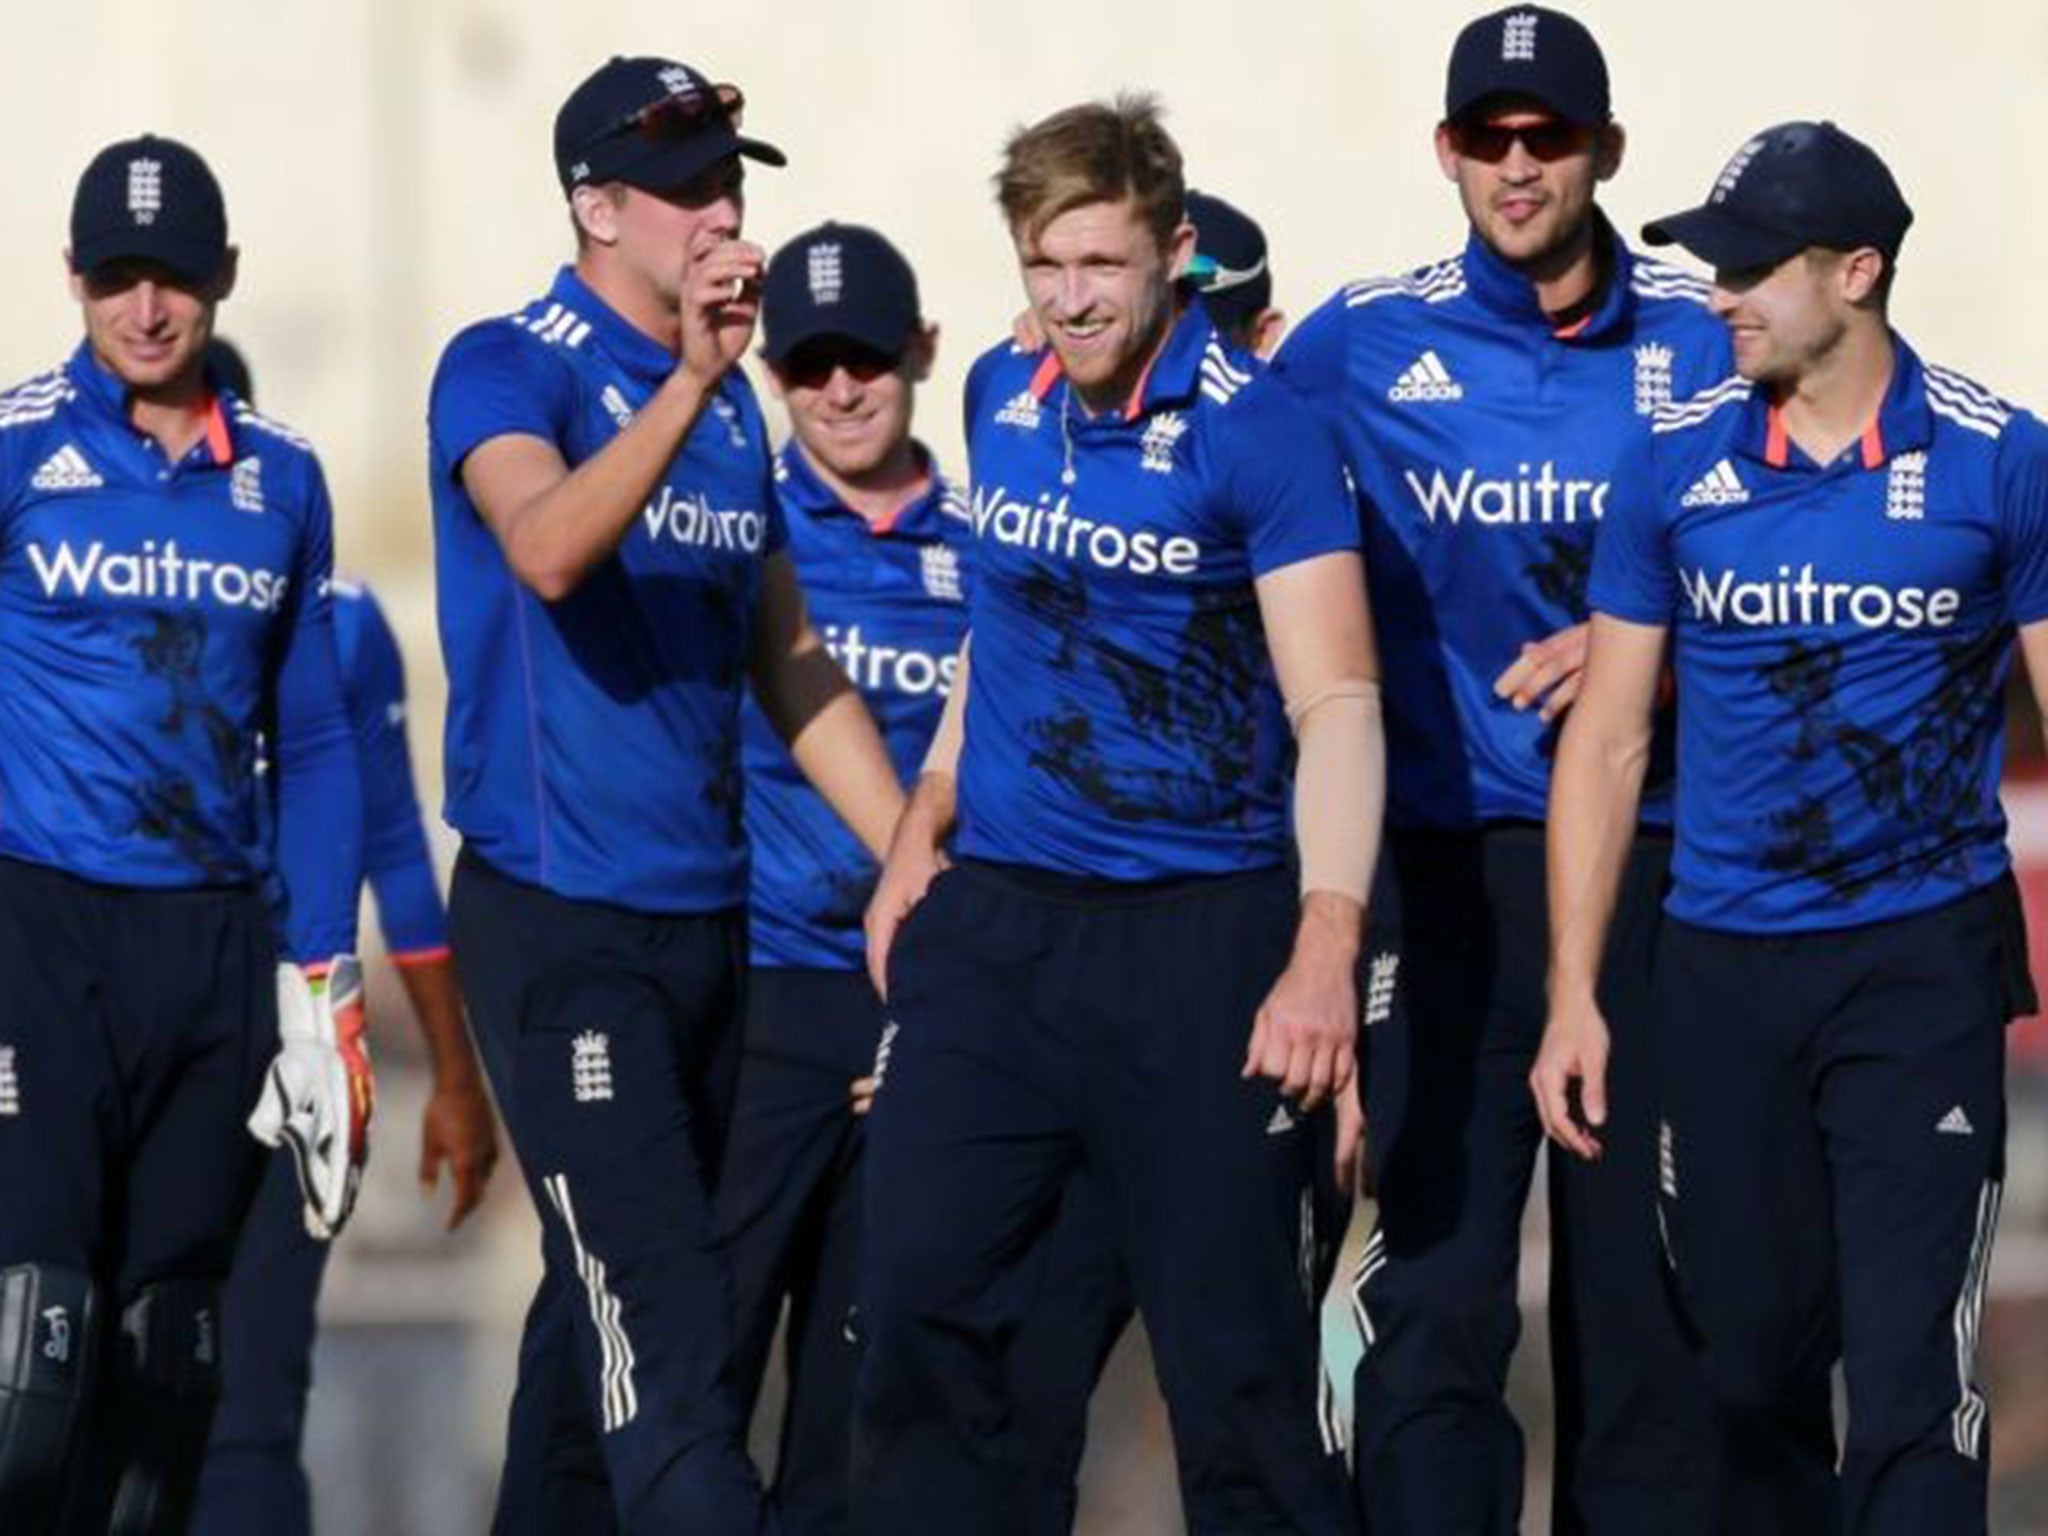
(1545, 696)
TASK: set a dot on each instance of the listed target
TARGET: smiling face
(1100, 284)
(1784, 321)
(148, 325)
(850, 406)
(1527, 179)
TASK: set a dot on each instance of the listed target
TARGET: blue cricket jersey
(395, 857)
(154, 617)
(1122, 718)
(1842, 635)
(1485, 445)
(889, 602)
(593, 743)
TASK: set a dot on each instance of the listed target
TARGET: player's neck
(880, 494)
(1568, 280)
(1836, 397)
(631, 299)
(173, 413)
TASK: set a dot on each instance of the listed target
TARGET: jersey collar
(636, 351)
(1503, 289)
(805, 492)
(103, 388)
(1903, 422)
(1172, 379)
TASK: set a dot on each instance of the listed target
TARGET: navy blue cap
(150, 199)
(1788, 188)
(651, 123)
(1529, 50)
(838, 280)
(1229, 270)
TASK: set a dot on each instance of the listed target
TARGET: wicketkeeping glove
(319, 1093)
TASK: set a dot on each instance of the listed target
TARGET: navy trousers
(253, 1483)
(790, 1212)
(1047, 1027)
(1454, 1003)
(135, 1029)
(1833, 1146)
(612, 1041)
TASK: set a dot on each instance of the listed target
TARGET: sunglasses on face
(812, 367)
(1546, 141)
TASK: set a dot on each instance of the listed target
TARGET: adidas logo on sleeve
(1718, 487)
(1425, 379)
(66, 470)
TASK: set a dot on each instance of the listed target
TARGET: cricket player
(1837, 545)
(1488, 405)
(165, 555)
(612, 571)
(1120, 975)
(252, 1481)
(877, 536)
(1084, 1299)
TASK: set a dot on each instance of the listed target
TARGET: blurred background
(388, 175)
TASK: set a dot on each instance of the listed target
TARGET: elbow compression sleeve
(1340, 787)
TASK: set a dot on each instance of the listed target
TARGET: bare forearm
(1595, 793)
(555, 540)
(931, 810)
(437, 1006)
(840, 752)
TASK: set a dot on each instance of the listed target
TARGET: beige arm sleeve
(1340, 787)
(943, 755)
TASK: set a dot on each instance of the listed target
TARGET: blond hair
(1099, 152)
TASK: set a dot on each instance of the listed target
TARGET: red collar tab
(1873, 445)
(1048, 374)
(1573, 331)
(1777, 441)
(218, 442)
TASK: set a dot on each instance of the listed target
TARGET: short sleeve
(2021, 488)
(1314, 361)
(1283, 486)
(495, 381)
(1633, 577)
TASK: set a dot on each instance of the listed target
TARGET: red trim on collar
(1576, 329)
(218, 443)
(1777, 442)
(879, 526)
(1873, 445)
(1048, 374)
(1134, 407)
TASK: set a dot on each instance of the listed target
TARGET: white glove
(319, 1093)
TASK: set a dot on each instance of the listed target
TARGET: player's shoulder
(1000, 386)
(532, 341)
(36, 400)
(1659, 284)
(955, 508)
(1711, 410)
(266, 432)
(1409, 293)
(1961, 402)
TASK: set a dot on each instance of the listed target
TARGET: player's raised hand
(1546, 675)
(721, 301)
(1574, 1054)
